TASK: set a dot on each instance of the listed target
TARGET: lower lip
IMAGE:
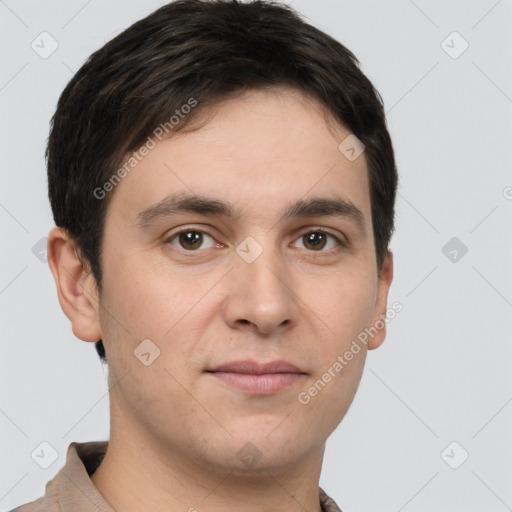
(264, 384)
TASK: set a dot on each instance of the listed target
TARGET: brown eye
(318, 241)
(191, 240)
(315, 241)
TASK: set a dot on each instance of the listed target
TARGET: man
(223, 186)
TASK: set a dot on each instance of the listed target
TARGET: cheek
(128, 315)
(143, 302)
(328, 395)
(153, 304)
(346, 308)
(346, 304)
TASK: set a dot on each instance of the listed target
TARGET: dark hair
(207, 50)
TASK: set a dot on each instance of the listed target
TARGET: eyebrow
(174, 204)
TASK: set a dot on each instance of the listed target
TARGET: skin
(175, 429)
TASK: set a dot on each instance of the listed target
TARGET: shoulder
(47, 503)
(82, 459)
(327, 503)
(43, 504)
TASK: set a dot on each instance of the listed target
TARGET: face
(247, 297)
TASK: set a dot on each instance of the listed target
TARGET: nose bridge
(261, 271)
(261, 293)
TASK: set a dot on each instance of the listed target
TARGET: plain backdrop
(439, 389)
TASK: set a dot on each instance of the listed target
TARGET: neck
(135, 475)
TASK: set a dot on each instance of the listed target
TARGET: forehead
(256, 151)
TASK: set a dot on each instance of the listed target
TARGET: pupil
(192, 239)
(316, 240)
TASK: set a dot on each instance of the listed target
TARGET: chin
(275, 452)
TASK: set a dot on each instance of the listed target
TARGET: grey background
(443, 373)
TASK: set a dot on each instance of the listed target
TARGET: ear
(379, 313)
(76, 286)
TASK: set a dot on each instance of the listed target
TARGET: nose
(261, 296)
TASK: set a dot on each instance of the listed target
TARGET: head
(228, 119)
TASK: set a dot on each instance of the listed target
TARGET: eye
(191, 240)
(318, 240)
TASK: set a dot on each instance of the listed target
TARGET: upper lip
(256, 368)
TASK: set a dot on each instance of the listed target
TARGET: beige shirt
(72, 490)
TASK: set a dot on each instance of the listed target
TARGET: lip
(258, 378)
(255, 368)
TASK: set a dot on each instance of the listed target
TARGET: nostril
(244, 321)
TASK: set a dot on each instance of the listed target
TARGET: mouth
(258, 378)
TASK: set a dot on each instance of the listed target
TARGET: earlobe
(379, 315)
(76, 287)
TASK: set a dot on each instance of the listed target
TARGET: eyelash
(339, 242)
